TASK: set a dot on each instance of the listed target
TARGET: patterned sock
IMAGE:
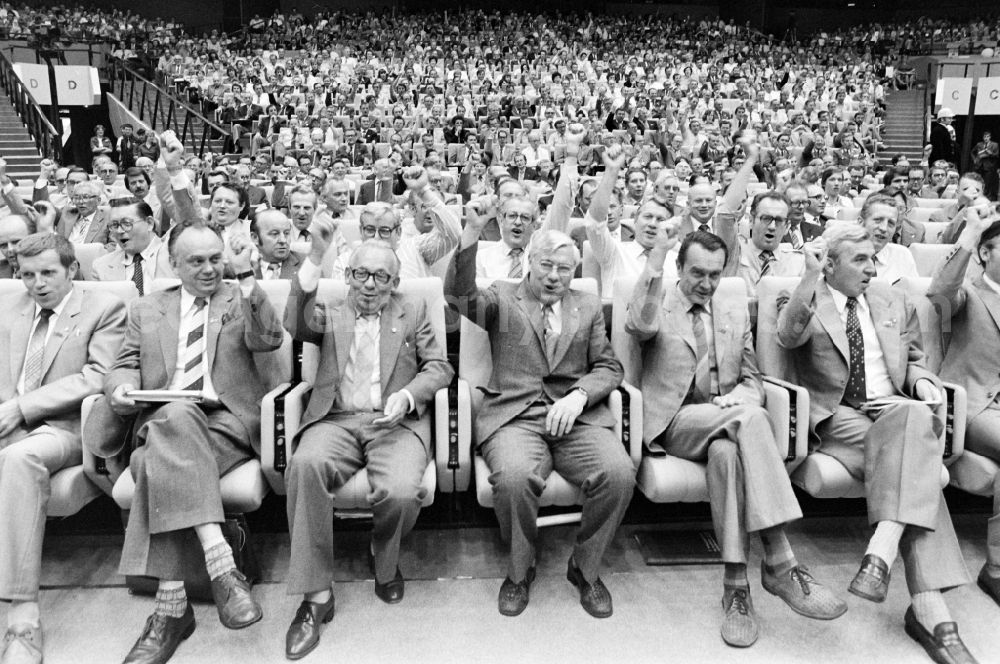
(885, 542)
(171, 601)
(735, 574)
(778, 554)
(930, 609)
(23, 613)
(219, 560)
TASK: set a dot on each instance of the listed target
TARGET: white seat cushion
(354, 494)
(672, 480)
(243, 488)
(557, 491)
(822, 476)
(71, 491)
(974, 473)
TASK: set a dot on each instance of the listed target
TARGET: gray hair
(546, 243)
(839, 232)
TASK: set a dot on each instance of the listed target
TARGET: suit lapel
(680, 320)
(723, 331)
(570, 324)
(170, 315)
(990, 298)
(343, 333)
(19, 332)
(887, 329)
(64, 326)
(829, 318)
(532, 309)
(390, 339)
(217, 307)
(95, 226)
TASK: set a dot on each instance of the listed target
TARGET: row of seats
(921, 215)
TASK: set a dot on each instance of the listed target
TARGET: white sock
(930, 609)
(21, 613)
(885, 542)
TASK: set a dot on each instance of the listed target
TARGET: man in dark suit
(704, 403)
(271, 232)
(380, 367)
(198, 337)
(255, 195)
(973, 357)
(943, 138)
(379, 189)
(544, 409)
(856, 347)
(58, 345)
(520, 171)
(800, 230)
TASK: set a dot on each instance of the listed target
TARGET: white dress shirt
(149, 258)
(187, 320)
(79, 232)
(620, 259)
(494, 261)
(895, 261)
(53, 321)
(876, 371)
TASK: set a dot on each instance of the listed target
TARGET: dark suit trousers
(748, 486)
(982, 436)
(521, 455)
(184, 452)
(329, 453)
(897, 452)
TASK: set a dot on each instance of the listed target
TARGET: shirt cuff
(180, 180)
(309, 275)
(410, 398)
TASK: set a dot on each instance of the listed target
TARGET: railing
(46, 137)
(161, 110)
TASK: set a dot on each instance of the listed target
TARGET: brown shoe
(872, 580)
(237, 607)
(944, 646)
(303, 634)
(161, 637)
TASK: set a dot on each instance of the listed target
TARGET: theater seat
(928, 256)
(243, 489)
(475, 367)
(282, 413)
(71, 489)
(933, 230)
(86, 254)
(669, 479)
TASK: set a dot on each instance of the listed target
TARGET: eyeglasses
(82, 197)
(362, 275)
(514, 216)
(122, 225)
(799, 203)
(767, 220)
(383, 232)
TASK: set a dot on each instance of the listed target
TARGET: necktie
(137, 276)
(516, 266)
(304, 235)
(766, 258)
(362, 365)
(796, 236)
(36, 351)
(704, 228)
(193, 377)
(551, 337)
(378, 190)
(273, 270)
(857, 391)
(703, 371)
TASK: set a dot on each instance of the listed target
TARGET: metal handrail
(161, 110)
(47, 138)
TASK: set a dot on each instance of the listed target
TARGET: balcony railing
(47, 138)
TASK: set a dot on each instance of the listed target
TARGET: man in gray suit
(856, 347)
(703, 402)
(141, 255)
(379, 369)
(58, 344)
(973, 357)
(544, 409)
(200, 337)
(271, 232)
(83, 221)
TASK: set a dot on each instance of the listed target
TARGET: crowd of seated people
(727, 156)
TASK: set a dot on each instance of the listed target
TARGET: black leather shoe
(303, 634)
(513, 598)
(594, 597)
(872, 580)
(944, 646)
(989, 585)
(237, 607)
(160, 638)
(391, 592)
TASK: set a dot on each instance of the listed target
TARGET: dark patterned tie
(766, 258)
(137, 277)
(704, 228)
(551, 337)
(516, 265)
(193, 377)
(36, 352)
(857, 390)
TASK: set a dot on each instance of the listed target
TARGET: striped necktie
(516, 265)
(193, 377)
(766, 259)
(362, 364)
(36, 352)
(137, 276)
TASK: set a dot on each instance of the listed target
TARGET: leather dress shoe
(237, 607)
(161, 637)
(802, 593)
(513, 598)
(740, 627)
(944, 646)
(989, 585)
(594, 597)
(303, 634)
(872, 580)
(391, 592)
(22, 644)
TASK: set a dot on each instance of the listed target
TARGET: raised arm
(950, 273)
(601, 242)
(795, 314)
(643, 320)
(447, 230)
(562, 199)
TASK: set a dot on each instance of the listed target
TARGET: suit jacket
(810, 232)
(973, 357)
(237, 328)
(78, 355)
(529, 173)
(409, 356)
(821, 355)
(659, 320)
(289, 268)
(96, 232)
(256, 196)
(366, 192)
(109, 267)
(521, 371)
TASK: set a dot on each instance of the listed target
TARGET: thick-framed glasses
(768, 219)
(361, 275)
(122, 225)
(384, 232)
(515, 216)
(82, 197)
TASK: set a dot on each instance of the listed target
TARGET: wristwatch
(243, 275)
(584, 393)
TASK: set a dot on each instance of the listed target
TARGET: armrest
(280, 414)
(453, 436)
(102, 472)
(954, 412)
(626, 405)
(788, 409)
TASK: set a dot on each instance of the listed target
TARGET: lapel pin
(393, 330)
